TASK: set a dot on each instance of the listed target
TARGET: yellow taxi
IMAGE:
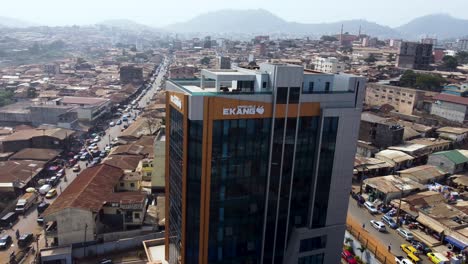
(409, 249)
(437, 258)
(51, 194)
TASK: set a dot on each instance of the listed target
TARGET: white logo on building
(244, 110)
(175, 100)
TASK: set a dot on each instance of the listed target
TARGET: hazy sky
(160, 13)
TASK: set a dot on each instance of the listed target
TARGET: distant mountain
(441, 26)
(126, 24)
(262, 21)
(15, 23)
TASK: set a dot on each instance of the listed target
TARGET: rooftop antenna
(341, 35)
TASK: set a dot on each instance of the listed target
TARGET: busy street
(94, 149)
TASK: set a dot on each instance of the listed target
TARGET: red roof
(451, 99)
(91, 188)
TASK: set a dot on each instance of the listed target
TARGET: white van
(44, 189)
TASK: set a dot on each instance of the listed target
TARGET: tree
(35, 48)
(345, 58)
(391, 57)
(32, 93)
(462, 57)
(205, 61)
(361, 249)
(450, 62)
(408, 79)
(6, 97)
(370, 59)
(429, 82)
(328, 38)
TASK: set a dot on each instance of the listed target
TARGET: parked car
(5, 241)
(53, 181)
(438, 258)
(42, 206)
(44, 189)
(389, 221)
(84, 157)
(371, 207)
(111, 124)
(407, 235)
(380, 226)
(76, 168)
(106, 261)
(40, 220)
(348, 257)
(51, 194)
(409, 249)
(25, 240)
(103, 154)
(119, 122)
(125, 126)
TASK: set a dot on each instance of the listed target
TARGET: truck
(25, 202)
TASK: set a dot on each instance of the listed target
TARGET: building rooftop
(124, 162)
(453, 130)
(36, 154)
(394, 155)
(451, 99)
(19, 170)
(453, 155)
(89, 190)
(83, 100)
(393, 184)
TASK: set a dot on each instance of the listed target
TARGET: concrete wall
(444, 163)
(450, 111)
(72, 224)
(114, 246)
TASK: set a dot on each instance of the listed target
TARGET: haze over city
(160, 13)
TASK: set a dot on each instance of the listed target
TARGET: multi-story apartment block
(404, 100)
(413, 55)
(328, 65)
(258, 164)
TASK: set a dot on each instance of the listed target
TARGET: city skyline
(160, 14)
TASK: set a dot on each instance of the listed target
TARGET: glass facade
(192, 234)
(313, 243)
(313, 259)
(327, 155)
(240, 153)
(304, 167)
(176, 144)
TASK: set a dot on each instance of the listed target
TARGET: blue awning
(455, 242)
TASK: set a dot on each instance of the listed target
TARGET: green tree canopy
(205, 61)
(370, 59)
(6, 97)
(462, 57)
(427, 82)
(328, 38)
(450, 62)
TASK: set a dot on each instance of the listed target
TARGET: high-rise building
(259, 164)
(413, 55)
(224, 62)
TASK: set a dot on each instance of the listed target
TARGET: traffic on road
(23, 227)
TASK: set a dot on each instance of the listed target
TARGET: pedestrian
(390, 247)
(17, 234)
(363, 226)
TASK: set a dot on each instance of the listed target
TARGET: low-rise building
(455, 134)
(19, 174)
(450, 107)
(423, 174)
(91, 206)
(402, 99)
(398, 159)
(88, 108)
(387, 188)
(53, 138)
(451, 161)
(381, 132)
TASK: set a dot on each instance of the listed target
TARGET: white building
(450, 107)
(88, 108)
(328, 65)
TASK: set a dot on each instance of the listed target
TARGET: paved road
(27, 223)
(391, 237)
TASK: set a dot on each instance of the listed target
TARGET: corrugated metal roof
(453, 155)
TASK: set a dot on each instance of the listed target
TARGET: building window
(311, 87)
(313, 243)
(313, 259)
(282, 95)
(410, 95)
(264, 85)
(132, 184)
(383, 97)
(327, 87)
(137, 215)
(390, 91)
(122, 184)
(294, 95)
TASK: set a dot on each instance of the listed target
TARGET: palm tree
(362, 248)
(348, 240)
